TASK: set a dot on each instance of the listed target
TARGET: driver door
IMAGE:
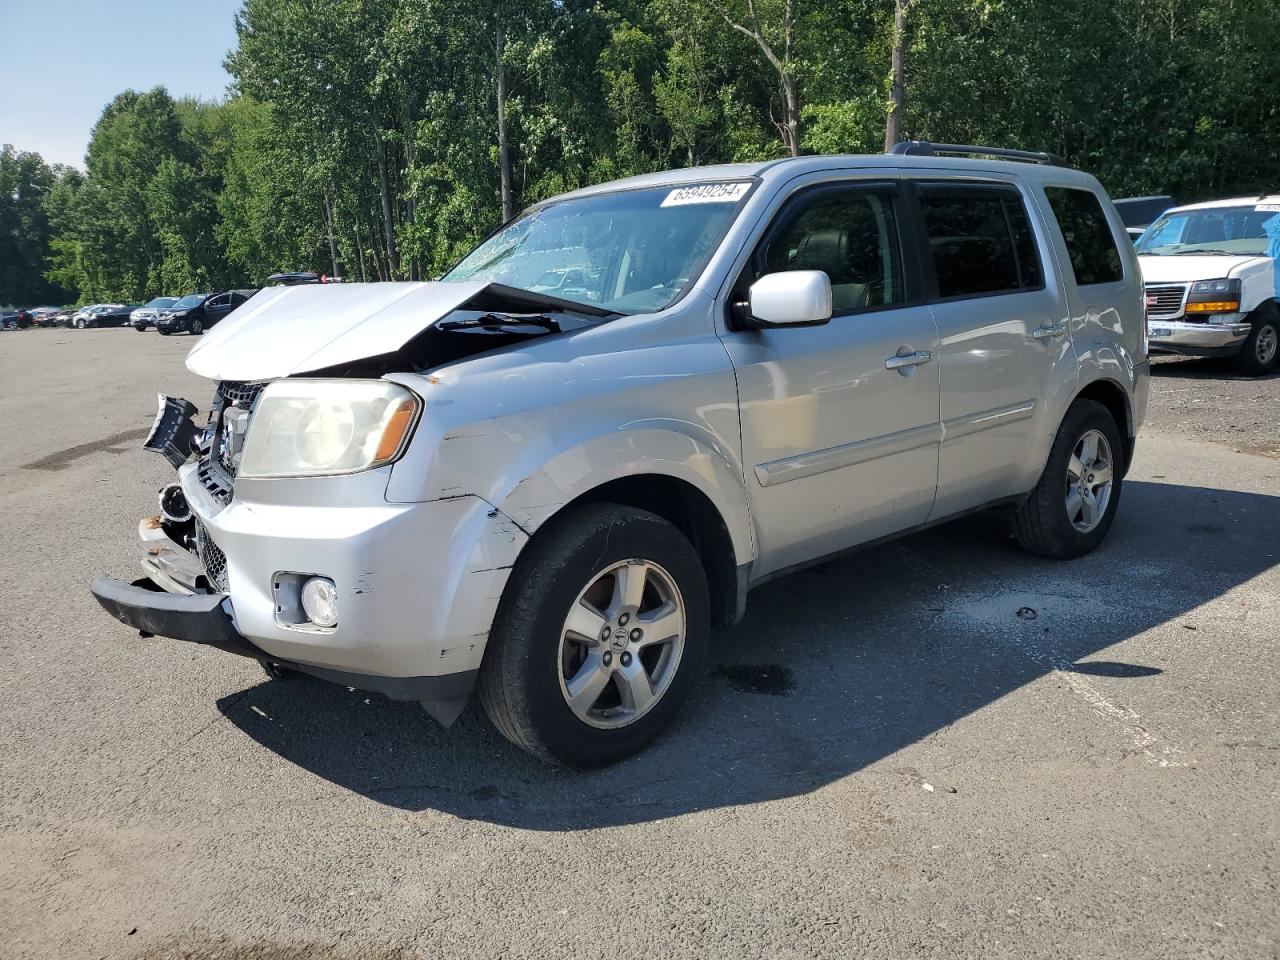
(840, 429)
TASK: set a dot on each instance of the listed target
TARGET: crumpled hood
(1190, 268)
(283, 331)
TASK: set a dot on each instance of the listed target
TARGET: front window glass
(161, 302)
(1225, 231)
(632, 251)
(851, 236)
(189, 301)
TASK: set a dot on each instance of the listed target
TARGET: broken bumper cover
(208, 619)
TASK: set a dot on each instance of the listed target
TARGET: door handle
(1049, 331)
(901, 360)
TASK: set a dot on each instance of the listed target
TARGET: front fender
(649, 447)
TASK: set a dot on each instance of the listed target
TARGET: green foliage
(362, 135)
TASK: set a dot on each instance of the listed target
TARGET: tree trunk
(897, 90)
(388, 218)
(364, 276)
(333, 246)
(791, 115)
(504, 148)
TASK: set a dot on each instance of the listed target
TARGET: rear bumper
(1197, 339)
(209, 620)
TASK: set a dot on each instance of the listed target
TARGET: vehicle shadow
(833, 669)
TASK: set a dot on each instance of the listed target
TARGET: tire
(532, 658)
(141, 329)
(196, 328)
(1260, 352)
(163, 333)
(1057, 520)
(80, 324)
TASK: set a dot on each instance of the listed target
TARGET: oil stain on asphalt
(771, 679)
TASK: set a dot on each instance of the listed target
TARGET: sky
(62, 61)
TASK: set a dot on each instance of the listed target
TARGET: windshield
(189, 301)
(161, 302)
(632, 251)
(1234, 231)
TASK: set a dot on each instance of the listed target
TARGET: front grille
(214, 560)
(216, 466)
(1165, 300)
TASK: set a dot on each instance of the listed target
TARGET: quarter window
(851, 235)
(981, 240)
(1090, 244)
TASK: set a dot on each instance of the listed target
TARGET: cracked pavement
(886, 759)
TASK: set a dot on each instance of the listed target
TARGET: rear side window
(852, 236)
(1092, 248)
(981, 240)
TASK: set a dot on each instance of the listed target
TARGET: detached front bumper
(1197, 339)
(209, 620)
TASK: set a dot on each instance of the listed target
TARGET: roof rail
(923, 148)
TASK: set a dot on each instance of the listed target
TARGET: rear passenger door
(1003, 338)
(839, 421)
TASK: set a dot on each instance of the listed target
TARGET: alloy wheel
(1090, 475)
(621, 644)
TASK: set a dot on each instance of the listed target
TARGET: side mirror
(790, 298)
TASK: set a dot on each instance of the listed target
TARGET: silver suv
(549, 475)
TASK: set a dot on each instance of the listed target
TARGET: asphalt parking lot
(888, 759)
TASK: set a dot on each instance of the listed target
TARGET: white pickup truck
(1211, 283)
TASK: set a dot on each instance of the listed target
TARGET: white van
(1211, 282)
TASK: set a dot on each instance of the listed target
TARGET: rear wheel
(600, 636)
(1261, 348)
(1072, 507)
(141, 328)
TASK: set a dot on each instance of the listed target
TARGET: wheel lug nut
(608, 658)
(636, 634)
(623, 620)
(604, 634)
(625, 659)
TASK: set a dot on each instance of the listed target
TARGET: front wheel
(1259, 353)
(1072, 507)
(600, 636)
(163, 333)
(196, 328)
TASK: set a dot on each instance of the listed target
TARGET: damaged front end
(230, 550)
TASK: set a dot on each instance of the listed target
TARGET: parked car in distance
(19, 319)
(1211, 281)
(103, 315)
(146, 315)
(197, 312)
(1138, 213)
(51, 317)
(425, 489)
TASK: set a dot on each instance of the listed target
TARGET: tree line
(378, 139)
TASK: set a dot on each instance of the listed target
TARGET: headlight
(1215, 286)
(315, 428)
(1214, 296)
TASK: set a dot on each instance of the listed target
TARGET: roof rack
(923, 148)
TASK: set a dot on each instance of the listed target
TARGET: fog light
(320, 602)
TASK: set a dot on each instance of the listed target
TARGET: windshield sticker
(706, 193)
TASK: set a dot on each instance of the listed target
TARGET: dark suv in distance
(197, 312)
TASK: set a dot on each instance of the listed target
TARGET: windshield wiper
(495, 321)
(1202, 250)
